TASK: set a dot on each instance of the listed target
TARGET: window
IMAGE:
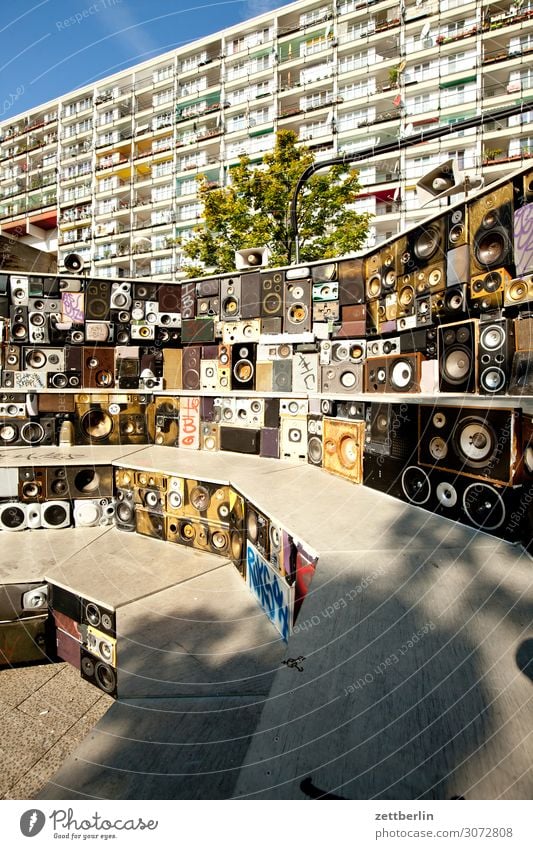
(314, 16)
(260, 116)
(187, 187)
(237, 122)
(313, 45)
(162, 193)
(162, 74)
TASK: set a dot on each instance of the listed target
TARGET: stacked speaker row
(469, 269)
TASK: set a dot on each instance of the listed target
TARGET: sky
(49, 47)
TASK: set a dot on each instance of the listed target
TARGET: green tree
(253, 211)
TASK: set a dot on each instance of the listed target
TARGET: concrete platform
(28, 555)
(73, 455)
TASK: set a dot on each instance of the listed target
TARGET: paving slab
(186, 748)
(207, 636)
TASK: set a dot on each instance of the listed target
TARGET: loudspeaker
(94, 512)
(163, 421)
(523, 328)
(372, 272)
(98, 673)
(343, 448)
(269, 442)
(518, 291)
(474, 442)
(495, 355)
(124, 510)
(486, 290)
(209, 437)
(98, 368)
(27, 432)
(79, 482)
(199, 500)
(258, 530)
(523, 238)
(485, 506)
(326, 272)
(457, 354)
(449, 305)
(281, 371)
(304, 372)
(191, 367)
(188, 300)
(19, 330)
(391, 430)
(297, 316)
(209, 374)
(457, 231)
(12, 357)
(67, 647)
(314, 440)
(149, 523)
(19, 290)
(32, 483)
(60, 380)
(251, 257)
(55, 514)
(264, 376)
(100, 645)
(271, 289)
(250, 295)
(169, 297)
(426, 245)
(73, 263)
(97, 300)
(230, 298)
(351, 282)
(293, 437)
(243, 371)
(241, 331)
(440, 181)
(198, 330)
(18, 600)
(244, 440)
(521, 382)
(342, 377)
(25, 641)
(146, 291)
(490, 223)
(396, 373)
(120, 296)
(172, 367)
(98, 616)
(205, 536)
(383, 474)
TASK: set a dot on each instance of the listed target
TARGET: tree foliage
(253, 211)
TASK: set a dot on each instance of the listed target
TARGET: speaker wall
(25, 640)
(97, 300)
(98, 368)
(343, 443)
(342, 378)
(383, 474)
(490, 222)
(426, 246)
(474, 442)
(372, 272)
(169, 298)
(457, 354)
(495, 355)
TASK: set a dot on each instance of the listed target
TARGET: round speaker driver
(402, 375)
(314, 450)
(475, 441)
(105, 677)
(446, 494)
(416, 485)
(200, 498)
(484, 506)
(457, 365)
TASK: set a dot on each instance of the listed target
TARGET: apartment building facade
(109, 171)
